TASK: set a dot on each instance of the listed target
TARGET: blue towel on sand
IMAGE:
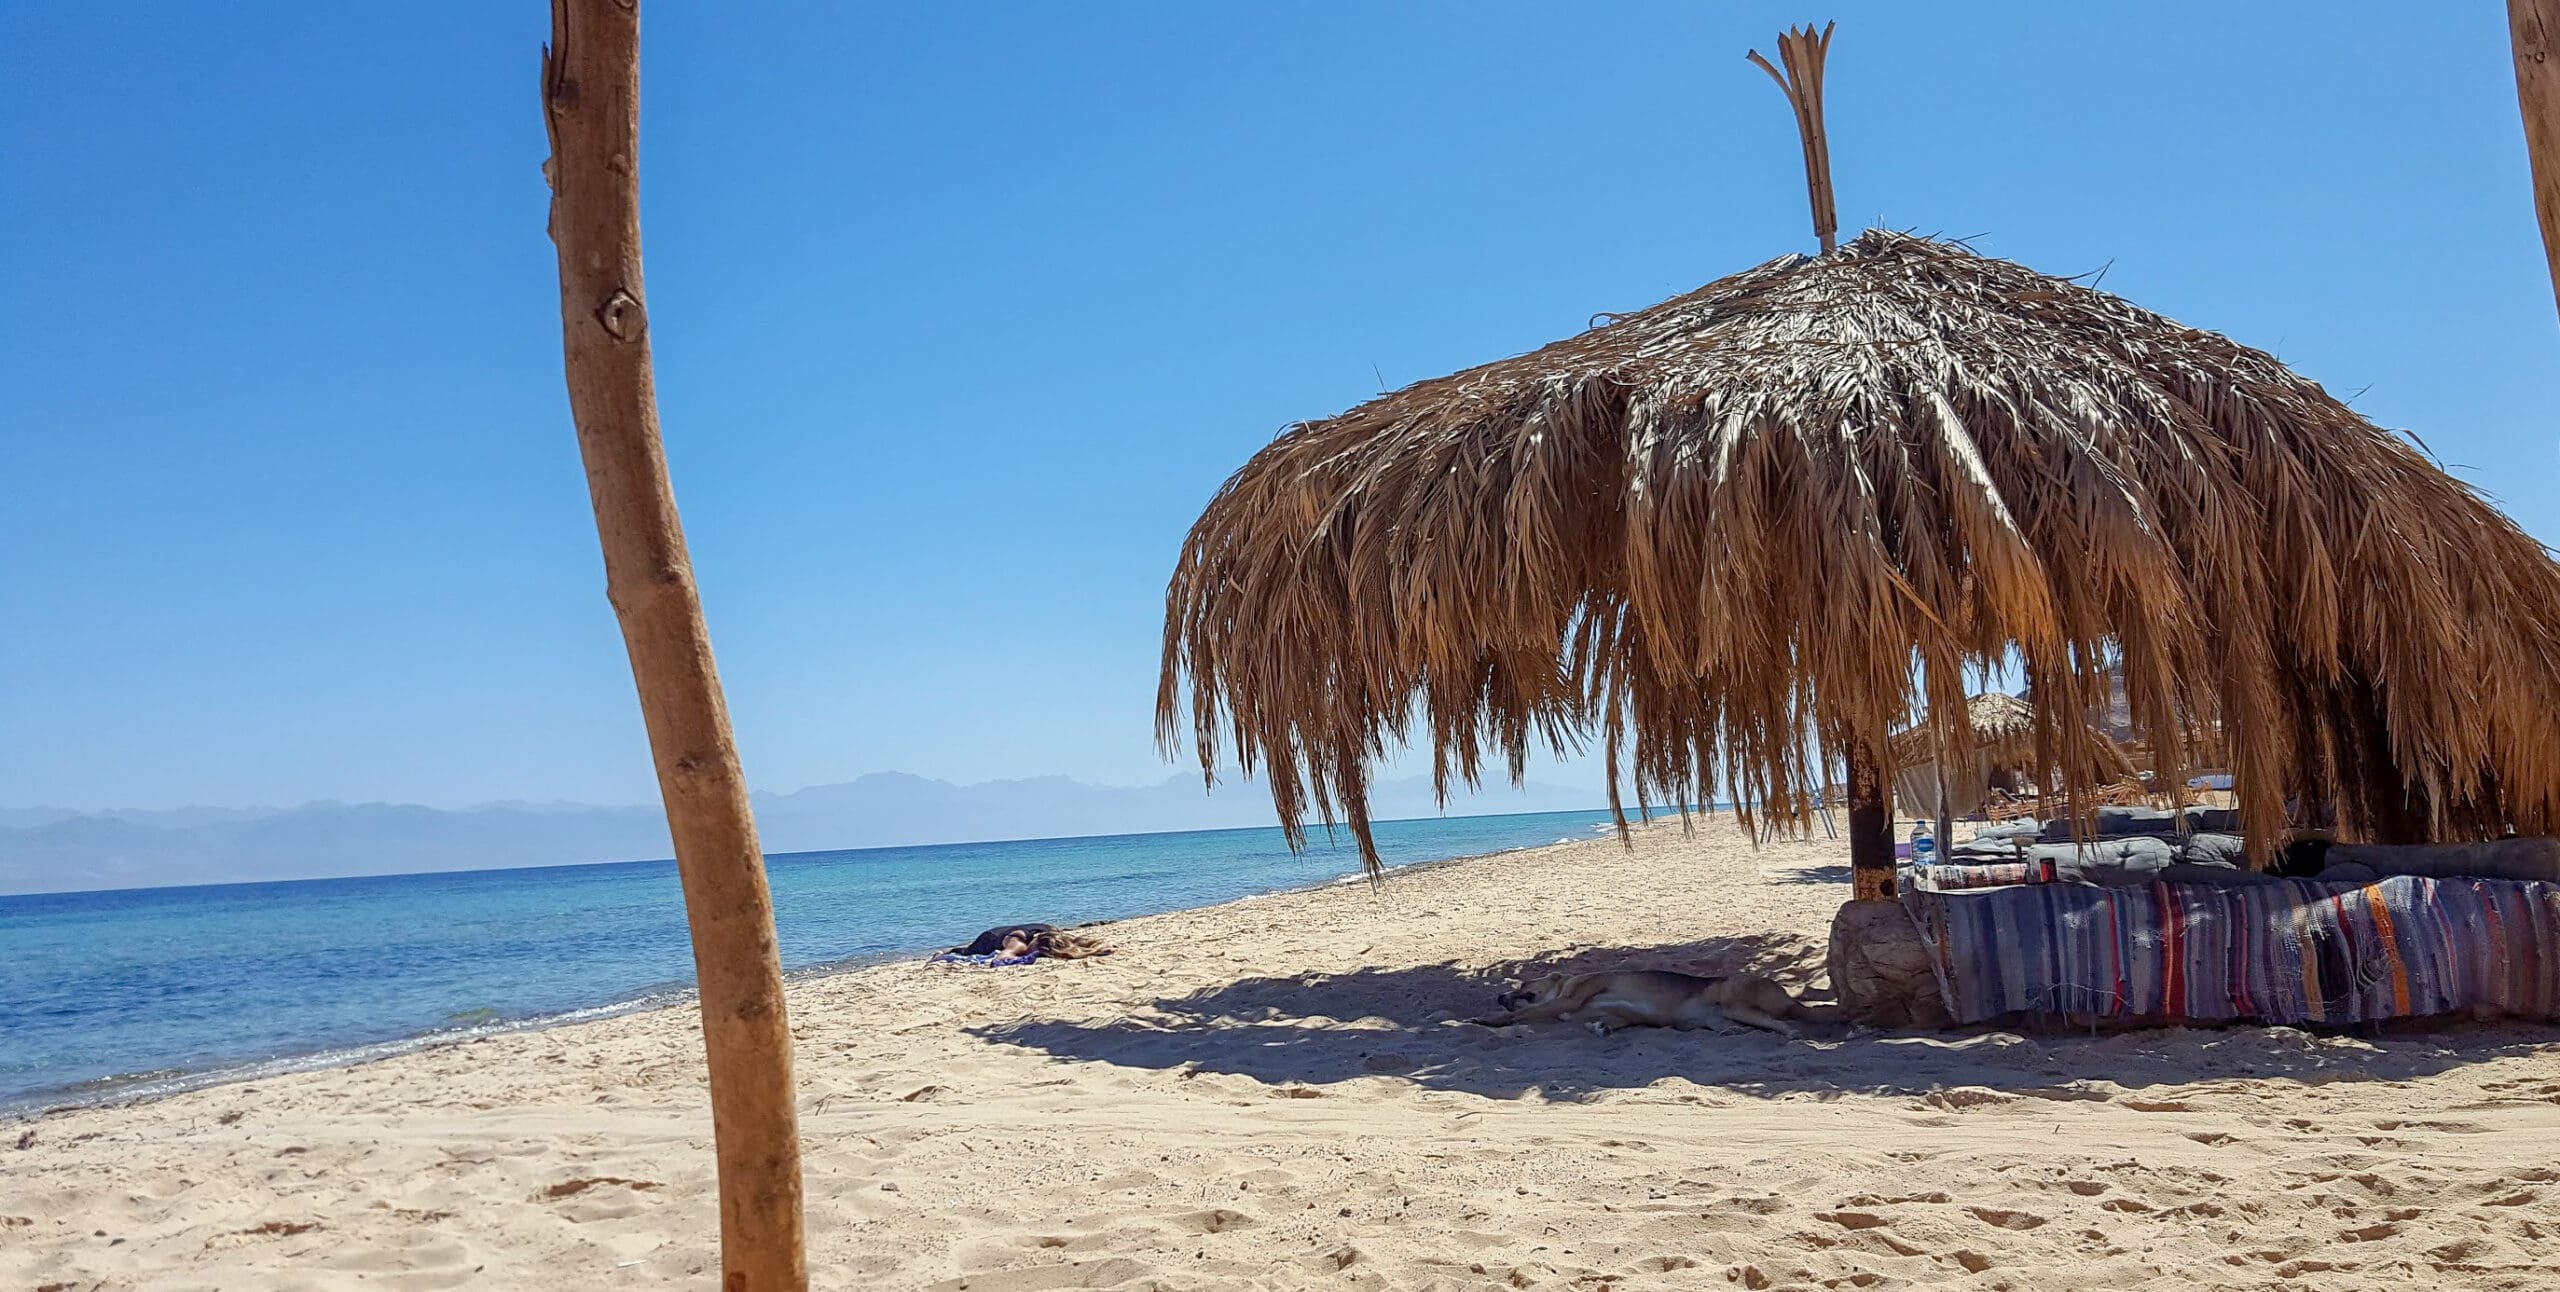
(990, 962)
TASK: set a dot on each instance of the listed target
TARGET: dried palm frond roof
(1999, 717)
(1791, 508)
(1991, 719)
(2003, 726)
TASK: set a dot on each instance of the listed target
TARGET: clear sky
(962, 311)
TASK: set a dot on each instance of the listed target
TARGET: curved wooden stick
(1803, 52)
(591, 105)
(2534, 26)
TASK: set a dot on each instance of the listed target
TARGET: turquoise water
(107, 995)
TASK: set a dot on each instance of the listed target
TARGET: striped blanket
(1957, 877)
(2280, 951)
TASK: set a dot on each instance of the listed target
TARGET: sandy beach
(1276, 1093)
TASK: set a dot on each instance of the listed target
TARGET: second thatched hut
(1991, 759)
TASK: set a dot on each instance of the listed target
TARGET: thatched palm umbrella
(1998, 736)
(1752, 529)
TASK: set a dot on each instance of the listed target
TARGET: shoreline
(128, 1090)
(1277, 1091)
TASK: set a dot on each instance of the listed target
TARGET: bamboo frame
(2535, 28)
(591, 109)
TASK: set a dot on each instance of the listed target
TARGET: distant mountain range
(56, 850)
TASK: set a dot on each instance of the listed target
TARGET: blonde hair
(1067, 946)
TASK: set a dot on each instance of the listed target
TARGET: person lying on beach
(1021, 944)
(1010, 940)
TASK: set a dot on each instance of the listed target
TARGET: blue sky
(962, 311)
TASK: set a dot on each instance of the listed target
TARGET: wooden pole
(1946, 817)
(1870, 827)
(1803, 52)
(2535, 26)
(591, 106)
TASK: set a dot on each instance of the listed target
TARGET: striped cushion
(2278, 951)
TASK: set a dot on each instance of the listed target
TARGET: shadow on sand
(1836, 874)
(1403, 1024)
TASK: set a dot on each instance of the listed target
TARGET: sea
(114, 995)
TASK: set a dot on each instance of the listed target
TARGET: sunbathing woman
(1022, 943)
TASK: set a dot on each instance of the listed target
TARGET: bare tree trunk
(591, 105)
(1870, 828)
(2535, 26)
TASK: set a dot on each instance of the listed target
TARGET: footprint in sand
(1963, 1097)
(1340, 1258)
(1064, 1242)
(1215, 1220)
(1112, 1273)
(2460, 1253)
(572, 1188)
(1852, 1219)
(2000, 1218)
(1875, 1200)
(271, 1229)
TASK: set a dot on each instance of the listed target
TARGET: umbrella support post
(591, 104)
(1870, 829)
(2534, 28)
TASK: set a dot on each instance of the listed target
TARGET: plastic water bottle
(1924, 847)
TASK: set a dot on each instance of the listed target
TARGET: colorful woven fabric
(2278, 951)
(1959, 877)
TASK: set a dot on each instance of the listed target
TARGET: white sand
(1270, 1094)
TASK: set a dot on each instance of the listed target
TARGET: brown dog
(1605, 1002)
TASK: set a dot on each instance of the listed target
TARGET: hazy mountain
(56, 850)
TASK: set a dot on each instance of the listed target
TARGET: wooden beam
(2381, 801)
(1870, 828)
(2534, 26)
(1803, 51)
(591, 106)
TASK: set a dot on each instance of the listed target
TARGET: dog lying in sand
(1605, 1002)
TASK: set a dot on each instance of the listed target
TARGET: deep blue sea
(114, 994)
